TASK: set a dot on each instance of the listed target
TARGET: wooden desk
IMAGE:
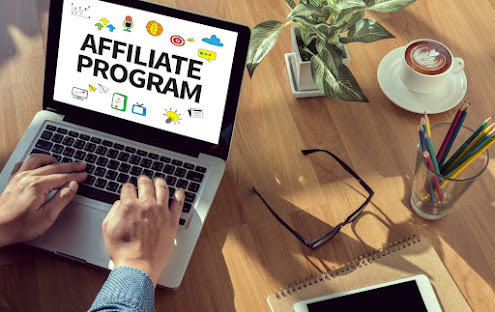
(243, 253)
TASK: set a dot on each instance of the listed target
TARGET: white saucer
(433, 103)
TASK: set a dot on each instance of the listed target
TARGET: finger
(56, 181)
(60, 168)
(16, 168)
(161, 190)
(61, 199)
(177, 204)
(128, 192)
(37, 160)
(146, 189)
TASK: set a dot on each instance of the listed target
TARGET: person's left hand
(25, 214)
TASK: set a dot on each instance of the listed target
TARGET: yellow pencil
(468, 161)
(427, 120)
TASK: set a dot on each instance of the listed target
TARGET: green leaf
(263, 38)
(387, 5)
(305, 10)
(366, 30)
(328, 30)
(347, 4)
(291, 4)
(333, 78)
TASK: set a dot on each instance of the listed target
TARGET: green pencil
(431, 150)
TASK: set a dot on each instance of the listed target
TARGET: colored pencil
(454, 135)
(466, 143)
(441, 195)
(431, 150)
(427, 123)
(446, 140)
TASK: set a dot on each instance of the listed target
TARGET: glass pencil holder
(434, 194)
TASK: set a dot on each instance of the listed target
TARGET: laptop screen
(156, 70)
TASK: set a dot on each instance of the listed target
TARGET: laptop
(135, 88)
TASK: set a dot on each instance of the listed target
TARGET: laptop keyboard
(111, 164)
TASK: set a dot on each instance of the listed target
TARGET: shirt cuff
(126, 288)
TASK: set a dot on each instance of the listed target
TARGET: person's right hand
(139, 230)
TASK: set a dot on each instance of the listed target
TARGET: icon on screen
(103, 89)
(207, 55)
(128, 23)
(154, 28)
(79, 94)
(139, 109)
(80, 11)
(213, 40)
(177, 40)
(195, 112)
(119, 102)
(172, 117)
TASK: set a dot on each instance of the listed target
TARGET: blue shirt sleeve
(126, 289)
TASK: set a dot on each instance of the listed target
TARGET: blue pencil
(454, 135)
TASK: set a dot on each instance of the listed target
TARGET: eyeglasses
(326, 237)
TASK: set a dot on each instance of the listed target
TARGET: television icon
(139, 109)
(79, 94)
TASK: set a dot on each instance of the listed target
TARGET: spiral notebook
(407, 257)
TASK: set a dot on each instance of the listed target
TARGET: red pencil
(441, 195)
(450, 132)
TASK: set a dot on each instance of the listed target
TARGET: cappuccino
(428, 57)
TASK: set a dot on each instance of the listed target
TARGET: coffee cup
(427, 65)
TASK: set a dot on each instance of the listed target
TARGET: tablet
(413, 293)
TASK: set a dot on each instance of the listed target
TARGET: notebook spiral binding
(355, 263)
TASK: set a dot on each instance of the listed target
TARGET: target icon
(177, 40)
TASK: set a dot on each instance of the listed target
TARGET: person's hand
(25, 213)
(139, 230)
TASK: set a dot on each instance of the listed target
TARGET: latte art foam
(428, 57)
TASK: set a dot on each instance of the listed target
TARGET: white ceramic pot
(302, 70)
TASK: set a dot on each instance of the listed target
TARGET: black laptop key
(44, 145)
(135, 171)
(195, 176)
(182, 221)
(124, 167)
(90, 147)
(113, 153)
(80, 155)
(112, 186)
(84, 137)
(157, 166)
(73, 134)
(90, 158)
(68, 151)
(111, 174)
(51, 128)
(123, 156)
(165, 159)
(38, 151)
(135, 160)
(176, 162)
(57, 157)
(57, 149)
(118, 146)
(79, 144)
(101, 182)
(170, 180)
(169, 169)
(142, 153)
(90, 180)
(182, 183)
(187, 207)
(101, 195)
(153, 156)
(133, 180)
(107, 143)
(188, 166)
(193, 187)
(113, 164)
(46, 135)
(148, 173)
(102, 161)
(200, 169)
(68, 141)
(180, 172)
(90, 168)
(130, 149)
(57, 138)
(96, 140)
(100, 172)
(190, 197)
(62, 130)
(66, 160)
(122, 178)
(101, 150)
(146, 163)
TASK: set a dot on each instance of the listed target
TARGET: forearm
(126, 289)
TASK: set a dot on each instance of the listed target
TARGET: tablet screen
(398, 297)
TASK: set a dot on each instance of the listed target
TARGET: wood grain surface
(243, 253)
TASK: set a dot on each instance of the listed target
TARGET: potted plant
(319, 39)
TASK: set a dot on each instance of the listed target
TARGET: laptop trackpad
(77, 232)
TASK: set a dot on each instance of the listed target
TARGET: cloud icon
(214, 41)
